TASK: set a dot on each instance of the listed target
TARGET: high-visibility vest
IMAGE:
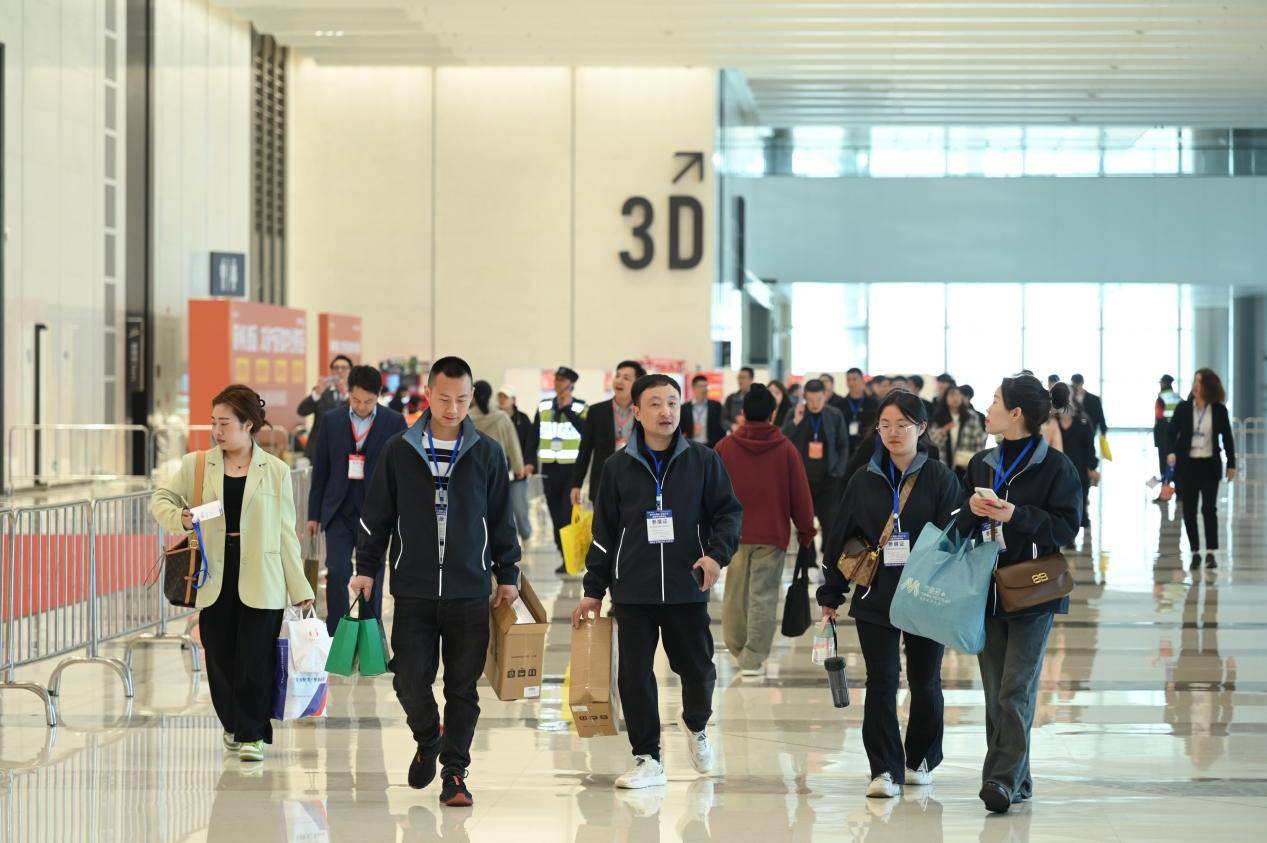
(1170, 399)
(560, 440)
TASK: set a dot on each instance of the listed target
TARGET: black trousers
(688, 642)
(557, 481)
(826, 496)
(424, 633)
(881, 735)
(1200, 477)
(241, 648)
(340, 544)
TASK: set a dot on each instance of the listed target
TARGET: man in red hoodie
(769, 480)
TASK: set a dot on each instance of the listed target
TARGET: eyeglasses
(901, 428)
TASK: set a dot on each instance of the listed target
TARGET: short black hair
(917, 381)
(815, 385)
(365, 377)
(632, 364)
(967, 391)
(1076, 380)
(758, 404)
(650, 381)
(945, 377)
(339, 357)
(826, 378)
(698, 379)
(748, 370)
(880, 379)
(854, 371)
(450, 367)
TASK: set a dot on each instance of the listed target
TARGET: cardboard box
(593, 697)
(516, 650)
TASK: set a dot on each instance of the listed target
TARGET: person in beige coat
(253, 564)
(496, 425)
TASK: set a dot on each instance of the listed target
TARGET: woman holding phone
(251, 548)
(874, 496)
(1027, 497)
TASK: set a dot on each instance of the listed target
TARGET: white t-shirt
(1202, 432)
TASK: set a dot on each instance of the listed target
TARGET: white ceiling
(846, 62)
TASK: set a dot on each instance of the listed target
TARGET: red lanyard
(357, 440)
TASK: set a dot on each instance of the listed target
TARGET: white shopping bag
(309, 641)
(307, 821)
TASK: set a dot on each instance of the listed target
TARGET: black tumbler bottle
(837, 682)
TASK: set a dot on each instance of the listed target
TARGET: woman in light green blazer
(253, 561)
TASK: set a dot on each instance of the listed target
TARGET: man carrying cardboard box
(665, 523)
(445, 553)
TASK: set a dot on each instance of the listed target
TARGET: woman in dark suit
(1195, 430)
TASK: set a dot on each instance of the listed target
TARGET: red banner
(261, 345)
(714, 384)
(337, 334)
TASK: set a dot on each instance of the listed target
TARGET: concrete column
(1249, 390)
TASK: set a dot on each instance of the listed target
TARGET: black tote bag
(796, 607)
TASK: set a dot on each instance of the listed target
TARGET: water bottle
(824, 642)
(837, 682)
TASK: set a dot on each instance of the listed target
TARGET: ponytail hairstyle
(245, 403)
(1061, 399)
(1027, 393)
(483, 392)
(911, 407)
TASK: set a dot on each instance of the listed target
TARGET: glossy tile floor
(1152, 725)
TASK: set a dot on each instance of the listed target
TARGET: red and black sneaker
(422, 770)
(453, 790)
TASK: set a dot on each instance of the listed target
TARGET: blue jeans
(1011, 664)
(519, 506)
(340, 543)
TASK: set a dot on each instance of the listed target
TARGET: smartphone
(987, 493)
(698, 573)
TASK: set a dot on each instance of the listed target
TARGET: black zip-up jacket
(865, 509)
(707, 518)
(400, 507)
(1048, 499)
(1179, 436)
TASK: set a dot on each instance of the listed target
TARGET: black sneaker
(422, 770)
(1209, 561)
(562, 570)
(996, 798)
(453, 790)
(1196, 561)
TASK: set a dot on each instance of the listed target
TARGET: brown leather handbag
(1028, 584)
(183, 561)
(858, 560)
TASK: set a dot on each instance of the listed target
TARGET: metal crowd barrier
(1251, 447)
(45, 454)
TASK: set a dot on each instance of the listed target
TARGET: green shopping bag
(371, 650)
(343, 650)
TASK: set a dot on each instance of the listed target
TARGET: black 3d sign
(641, 211)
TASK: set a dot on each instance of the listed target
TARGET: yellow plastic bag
(1105, 451)
(576, 538)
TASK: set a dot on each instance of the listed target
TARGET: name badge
(898, 550)
(993, 532)
(356, 467)
(442, 517)
(815, 450)
(208, 511)
(556, 444)
(1198, 434)
(853, 428)
(660, 526)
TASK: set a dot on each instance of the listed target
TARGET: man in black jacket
(1091, 405)
(607, 429)
(733, 408)
(665, 523)
(701, 418)
(327, 393)
(858, 407)
(528, 444)
(821, 436)
(442, 497)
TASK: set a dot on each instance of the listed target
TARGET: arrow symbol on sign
(694, 159)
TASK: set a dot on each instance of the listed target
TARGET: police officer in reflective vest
(558, 425)
(1164, 411)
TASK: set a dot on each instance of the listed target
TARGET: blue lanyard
(431, 452)
(816, 425)
(855, 406)
(1000, 479)
(1201, 418)
(893, 481)
(203, 573)
(659, 481)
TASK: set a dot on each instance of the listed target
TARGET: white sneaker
(883, 787)
(700, 748)
(251, 751)
(922, 776)
(752, 672)
(648, 773)
(230, 745)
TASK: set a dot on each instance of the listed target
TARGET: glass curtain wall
(1120, 337)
